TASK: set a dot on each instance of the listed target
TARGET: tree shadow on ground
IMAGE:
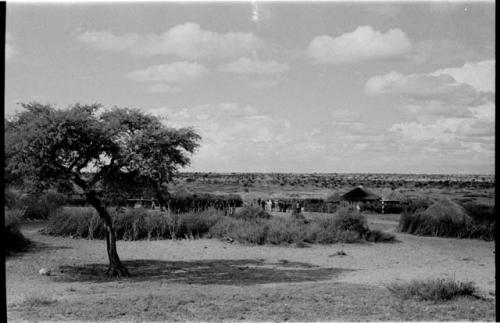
(224, 272)
(33, 247)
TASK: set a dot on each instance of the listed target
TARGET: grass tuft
(439, 289)
(35, 301)
(14, 240)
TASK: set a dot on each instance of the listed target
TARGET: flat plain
(213, 280)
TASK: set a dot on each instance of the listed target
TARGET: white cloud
(441, 131)
(414, 85)
(186, 40)
(163, 88)
(378, 84)
(464, 86)
(446, 52)
(245, 65)
(479, 75)
(174, 73)
(232, 133)
(363, 44)
(452, 113)
(10, 50)
(449, 131)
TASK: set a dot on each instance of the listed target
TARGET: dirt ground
(214, 280)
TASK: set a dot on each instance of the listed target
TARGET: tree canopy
(93, 147)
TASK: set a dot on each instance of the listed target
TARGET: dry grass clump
(250, 225)
(446, 218)
(346, 226)
(38, 300)
(14, 240)
(36, 206)
(251, 213)
(131, 224)
(433, 290)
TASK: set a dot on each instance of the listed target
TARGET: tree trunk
(116, 268)
(159, 196)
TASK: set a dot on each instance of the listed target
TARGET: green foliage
(50, 147)
(433, 290)
(251, 213)
(14, 240)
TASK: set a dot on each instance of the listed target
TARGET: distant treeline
(334, 180)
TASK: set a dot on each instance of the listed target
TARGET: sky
(326, 87)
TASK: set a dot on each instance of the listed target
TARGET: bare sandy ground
(370, 264)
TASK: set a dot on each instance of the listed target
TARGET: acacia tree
(53, 147)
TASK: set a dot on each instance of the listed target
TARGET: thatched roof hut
(447, 210)
(394, 197)
(360, 194)
(333, 198)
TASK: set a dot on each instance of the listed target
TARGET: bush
(426, 225)
(251, 213)
(350, 220)
(41, 206)
(413, 206)
(12, 199)
(448, 219)
(254, 232)
(14, 240)
(251, 226)
(433, 290)
(480, 212)
(285, 231)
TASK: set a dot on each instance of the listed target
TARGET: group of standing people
(279, 206)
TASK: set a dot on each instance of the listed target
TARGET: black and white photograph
(249, 161)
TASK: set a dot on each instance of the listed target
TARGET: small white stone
(44, 272)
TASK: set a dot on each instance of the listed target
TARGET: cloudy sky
(277, 87)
